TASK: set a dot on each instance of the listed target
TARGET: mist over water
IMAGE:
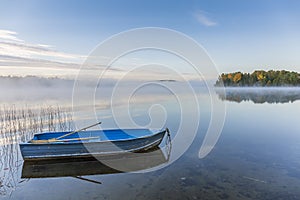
(260, 94)
(40, 89)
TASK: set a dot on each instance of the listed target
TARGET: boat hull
(56, 150)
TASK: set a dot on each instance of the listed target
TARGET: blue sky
(238, 35)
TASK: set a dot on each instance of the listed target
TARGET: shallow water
(256, 157)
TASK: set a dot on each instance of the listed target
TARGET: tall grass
(26, 120)
(18, 124)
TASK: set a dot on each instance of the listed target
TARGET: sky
(51, 36)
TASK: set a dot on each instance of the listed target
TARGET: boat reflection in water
(110, 164)
(260, 95)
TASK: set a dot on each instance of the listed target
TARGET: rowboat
(61, 145)
(110, 164)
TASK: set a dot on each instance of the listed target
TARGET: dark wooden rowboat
(91, 143)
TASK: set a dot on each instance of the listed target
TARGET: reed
(18, 124)
(28, 120)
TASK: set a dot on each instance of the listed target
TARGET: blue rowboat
(90, 143)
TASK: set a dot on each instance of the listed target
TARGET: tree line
(259, 78)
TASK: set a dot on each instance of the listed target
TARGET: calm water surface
(256, 157)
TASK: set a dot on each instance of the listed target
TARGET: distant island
(259, 78)
(167, 80)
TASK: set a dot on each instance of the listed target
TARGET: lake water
(257, 156)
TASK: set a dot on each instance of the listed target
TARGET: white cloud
(20, 58)
(11, 45)
(9, 35)
(202, 18)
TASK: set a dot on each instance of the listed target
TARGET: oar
(57, 139)
(86, 179)
(77, 131)
(63, 140)
(74, 139)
